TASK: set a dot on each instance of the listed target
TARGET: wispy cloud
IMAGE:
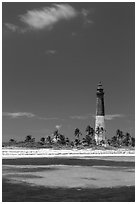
(27, 115)
(46, 17)
(58, 126)
(12, 27)
(50, 52)
(18, 114)
(85, 14)
(89, 116)
(15, 28)
(113, 116)
(76, 117)
(81, 117)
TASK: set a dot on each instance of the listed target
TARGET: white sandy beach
(83, 153)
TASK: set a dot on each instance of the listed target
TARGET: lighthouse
(100, 115)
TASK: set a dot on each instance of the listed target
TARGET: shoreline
(14, 153)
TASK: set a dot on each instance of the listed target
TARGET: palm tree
(77, 142)
(102, 142)
(33, 139)
(127, 139)
(109, 141)
(94, 142)
(133, 141)
(67, 141)
(42, 139)
(114, 140)
(72, 144)
(90, 130)
(84, 141)
(12, 140)
(90, 134)
(88, 139)
(61, 139)
(77, 133)
(56, 134)
(119, 134)
(28, 138)
(48, 139)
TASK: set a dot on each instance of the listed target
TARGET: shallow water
(77, 174)
(67, 176)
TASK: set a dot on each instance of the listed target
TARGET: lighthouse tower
(100, 115)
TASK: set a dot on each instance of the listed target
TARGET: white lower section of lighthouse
(99, 128)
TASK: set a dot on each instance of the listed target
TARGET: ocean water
(68, 180)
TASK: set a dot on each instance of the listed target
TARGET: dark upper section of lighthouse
(100, 89)
(100, 110)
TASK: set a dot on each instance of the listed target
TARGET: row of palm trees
(118, 140)
(88, 139)
(58, 138)
(121, 139)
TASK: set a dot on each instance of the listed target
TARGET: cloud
(85, 15)
(58, 126)
(89, 116)
(48, 16)
(77, 117)
(113, 116)
(15, 28)
(18, 114)
(85, 12)
(51, 52)
(28, 115)
(12, 27)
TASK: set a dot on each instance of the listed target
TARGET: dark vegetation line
(58, 140)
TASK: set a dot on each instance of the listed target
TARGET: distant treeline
(57, 139)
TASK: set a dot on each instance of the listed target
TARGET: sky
(53, 57)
